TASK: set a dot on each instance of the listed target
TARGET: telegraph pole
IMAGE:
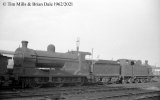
(78, 54)
(92, 62)
(77, 44)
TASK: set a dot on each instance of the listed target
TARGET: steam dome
(51, 48)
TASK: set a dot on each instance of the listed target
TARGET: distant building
(156, 70)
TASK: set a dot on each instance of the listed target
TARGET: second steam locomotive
(34, 68)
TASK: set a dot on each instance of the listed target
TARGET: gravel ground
(83, 96)
(147, 86)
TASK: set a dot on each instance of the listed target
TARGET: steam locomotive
(34, 68)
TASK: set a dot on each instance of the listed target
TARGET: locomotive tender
(33, 68)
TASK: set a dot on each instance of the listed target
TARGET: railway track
(57, 92)
(152, 95)
(78, 93)
(120, 94)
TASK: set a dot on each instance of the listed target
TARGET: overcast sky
(114, 28)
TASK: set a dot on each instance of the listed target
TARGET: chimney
(146, 62)
(24, 44)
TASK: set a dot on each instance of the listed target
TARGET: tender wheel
(142, 80)
(79, 82)
(131, 80)
(136, 80)
(106, 81)
(124, 81)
